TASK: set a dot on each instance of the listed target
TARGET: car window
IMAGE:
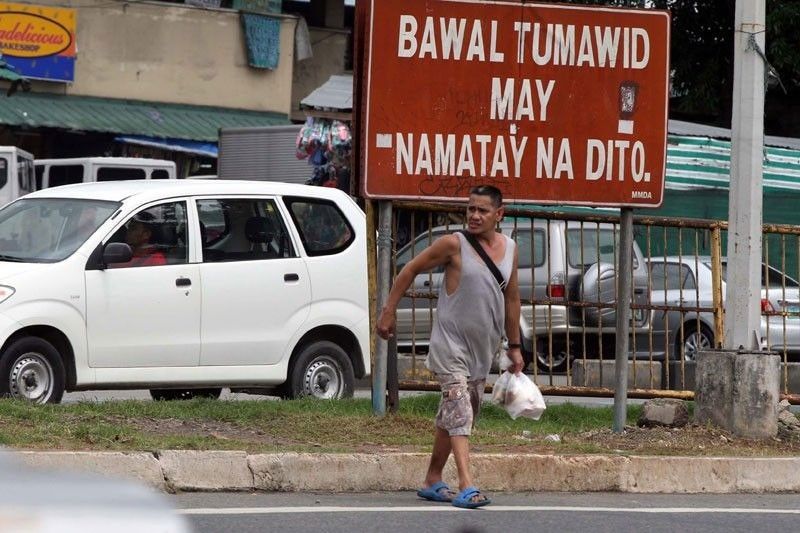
(598, 245)
(157, 236)
(39, 170)
(531, 254)
(671, 276)
(120, 173)
(3, 172)
(159, 174)
(25, 175)
(776, 277)
(49, 229)
(64, 175)
(242, 229)
(323, 228)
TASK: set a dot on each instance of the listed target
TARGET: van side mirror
(117, 252)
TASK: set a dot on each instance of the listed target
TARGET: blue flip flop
(464, 499)
(438, 492)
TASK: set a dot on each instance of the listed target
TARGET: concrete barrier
(309, 472)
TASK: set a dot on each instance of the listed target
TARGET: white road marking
(500, 508)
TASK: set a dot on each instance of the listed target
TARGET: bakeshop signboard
(553, 104)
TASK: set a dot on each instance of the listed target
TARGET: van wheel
(31, 369)
(322, 370)
(184, 394)
(551, 364)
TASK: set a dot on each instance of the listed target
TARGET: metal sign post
(624, 279)
(384, 281)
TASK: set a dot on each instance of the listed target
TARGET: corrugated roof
(705, 163)
(336, 94)
(128, 117)
(679, 127)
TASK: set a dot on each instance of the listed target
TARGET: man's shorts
(460, 403)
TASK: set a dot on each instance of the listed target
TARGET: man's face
(482, 215)
(137, 234)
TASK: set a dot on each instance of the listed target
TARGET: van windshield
(47, 230)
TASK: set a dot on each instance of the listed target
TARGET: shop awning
(207, 149)
(129, 117)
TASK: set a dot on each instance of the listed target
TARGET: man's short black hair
(491, 191)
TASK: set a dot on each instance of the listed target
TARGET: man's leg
(460, 446)
(439, 455)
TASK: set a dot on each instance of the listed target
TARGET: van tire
(322, 370)
(559, 361)
(32, 369)
(184, 394)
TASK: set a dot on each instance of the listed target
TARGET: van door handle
(291, 277)
(183, 282)
(638, 291)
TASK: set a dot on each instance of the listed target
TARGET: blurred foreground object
(39, 501)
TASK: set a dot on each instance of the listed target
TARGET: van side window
(233, 229)
(159, 174)
(120, 173)
(589, 245)
(530, 253)
(25, 174)
(323, 229)
(157, 235)
(39, 175)
(64, 175)
(3, 172)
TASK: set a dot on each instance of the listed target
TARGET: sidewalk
(237, 471)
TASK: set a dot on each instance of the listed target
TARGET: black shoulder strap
(486, 259)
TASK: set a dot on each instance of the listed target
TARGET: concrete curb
(176, 470)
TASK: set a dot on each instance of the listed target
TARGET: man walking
(473, 313)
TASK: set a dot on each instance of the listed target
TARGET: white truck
(16, 173)
(54, 172)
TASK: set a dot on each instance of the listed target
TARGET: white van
(55, 172)
(16, 173)
(183, 287)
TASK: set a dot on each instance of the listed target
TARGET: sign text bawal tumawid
(553, 104)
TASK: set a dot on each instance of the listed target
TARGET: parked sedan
(687, 282)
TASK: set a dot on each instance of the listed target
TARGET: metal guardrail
(682, 309)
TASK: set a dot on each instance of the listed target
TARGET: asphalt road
(404, 512)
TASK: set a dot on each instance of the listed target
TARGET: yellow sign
(28, 31)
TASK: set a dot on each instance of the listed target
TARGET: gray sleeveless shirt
(470, 323)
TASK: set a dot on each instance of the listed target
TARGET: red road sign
(552, 103)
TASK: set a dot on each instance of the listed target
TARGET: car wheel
(184, 394)
(32, 369)
(693, 341)
(322, 370)
(551, 364)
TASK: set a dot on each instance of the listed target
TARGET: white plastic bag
(518, 395)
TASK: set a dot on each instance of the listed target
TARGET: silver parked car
(687, 282)
(561, 263)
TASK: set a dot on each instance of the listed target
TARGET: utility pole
(743, 291)
(737, 387)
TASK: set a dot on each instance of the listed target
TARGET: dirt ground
(692, 440)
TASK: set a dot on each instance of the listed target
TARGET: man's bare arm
(439, 253)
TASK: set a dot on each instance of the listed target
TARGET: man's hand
(515, 354)
(386, 323)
